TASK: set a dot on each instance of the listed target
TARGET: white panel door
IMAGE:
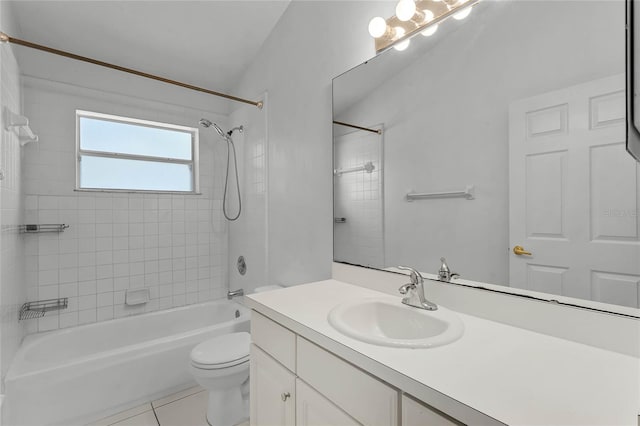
(273, 399)
(313, 409)
(574, 195)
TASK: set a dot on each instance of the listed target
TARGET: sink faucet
(415, 291)
(444, 273)
(232, 294)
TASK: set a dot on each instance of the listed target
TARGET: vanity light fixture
(413, 17)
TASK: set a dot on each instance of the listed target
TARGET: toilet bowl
(221, 366)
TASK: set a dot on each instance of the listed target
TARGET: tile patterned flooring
(185, 408)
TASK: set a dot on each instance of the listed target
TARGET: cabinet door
(313, 409)
(366, 399)
(273, 396)
(417, 414)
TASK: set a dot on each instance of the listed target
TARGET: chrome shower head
(208, 123)
(205, 123)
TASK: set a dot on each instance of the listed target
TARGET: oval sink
(388, 322)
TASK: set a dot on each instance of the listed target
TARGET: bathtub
(76, 375)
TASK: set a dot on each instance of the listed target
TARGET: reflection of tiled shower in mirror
(358, 197)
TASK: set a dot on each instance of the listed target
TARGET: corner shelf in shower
(45, 227)
(19, 124)
(37, 309)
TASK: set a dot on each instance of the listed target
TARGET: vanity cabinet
(294, 381)
(416, 414)
(313, 409)
(365, 398)
(273, 393)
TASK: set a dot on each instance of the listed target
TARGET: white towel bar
(468, 193)
(367, 167)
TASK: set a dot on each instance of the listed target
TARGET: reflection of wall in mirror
(446, 123)
(358, 198)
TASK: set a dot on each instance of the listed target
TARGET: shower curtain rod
(366, 129)
(6, 38)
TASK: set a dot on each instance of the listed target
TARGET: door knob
(519, 250)
(285, 396)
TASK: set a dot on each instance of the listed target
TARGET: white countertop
(512, 375)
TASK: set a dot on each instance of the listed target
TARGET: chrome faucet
(415, 291)
(444, 273)
(235, 293)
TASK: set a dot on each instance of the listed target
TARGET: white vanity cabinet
(272, 373)
(415, 413)
(313, 409)
(294, 381)
(273, 395)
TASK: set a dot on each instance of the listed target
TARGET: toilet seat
(223, 351)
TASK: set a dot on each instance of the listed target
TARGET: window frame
(193, 162)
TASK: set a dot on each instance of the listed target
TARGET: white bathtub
(80, 374)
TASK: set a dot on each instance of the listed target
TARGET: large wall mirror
(505, 129)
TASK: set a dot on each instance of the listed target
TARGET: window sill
(136, 191)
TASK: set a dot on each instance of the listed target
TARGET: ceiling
(204, 43)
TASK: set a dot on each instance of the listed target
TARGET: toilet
(221, 366)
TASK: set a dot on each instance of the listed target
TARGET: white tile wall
(12, 290)
(250, 230)
(358, 197)
(175, 245)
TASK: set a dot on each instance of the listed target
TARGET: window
(119, 153)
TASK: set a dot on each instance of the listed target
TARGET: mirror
(503, 130)
(633, 78)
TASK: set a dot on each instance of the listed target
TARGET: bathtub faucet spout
(235, 293)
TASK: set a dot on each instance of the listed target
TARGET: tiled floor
(186, 408)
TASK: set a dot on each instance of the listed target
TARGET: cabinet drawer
(366, 399)
(274, 339)
(415, 413)
(313, 409)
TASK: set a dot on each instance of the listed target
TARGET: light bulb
(405, 9)
(428, 15)
(462, 14)
(399, 33)
(402, 46)
(430, 31)
(377, 27)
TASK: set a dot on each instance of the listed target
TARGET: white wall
(313, 42)
(175, 245)
(44, 65)
(248, 234)
(12, 289)
(446, 122)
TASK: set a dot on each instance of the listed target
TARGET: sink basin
(387, 322)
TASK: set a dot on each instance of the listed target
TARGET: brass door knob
(519, 251)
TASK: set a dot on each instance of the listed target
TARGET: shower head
(205, 123)
(208, 123)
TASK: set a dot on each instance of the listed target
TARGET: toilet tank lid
(222, 349)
